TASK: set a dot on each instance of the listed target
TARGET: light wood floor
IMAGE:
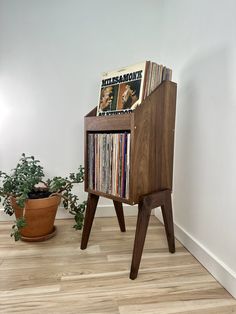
(57, 277)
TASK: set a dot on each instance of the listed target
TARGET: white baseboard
(102, 211)
(5, 217)
(222, 273)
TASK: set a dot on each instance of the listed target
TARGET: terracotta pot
(39, 215)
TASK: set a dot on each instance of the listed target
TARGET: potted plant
(34, 201)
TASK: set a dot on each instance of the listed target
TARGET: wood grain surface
(152, 131)
(55, 276)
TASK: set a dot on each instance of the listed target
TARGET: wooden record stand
(151, 126)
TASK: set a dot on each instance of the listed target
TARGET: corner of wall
(219, 270)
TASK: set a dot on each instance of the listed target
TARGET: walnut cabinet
(152, 131)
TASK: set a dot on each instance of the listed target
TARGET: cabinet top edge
(93, 112)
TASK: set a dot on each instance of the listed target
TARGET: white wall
(51, 55)
(200, 41)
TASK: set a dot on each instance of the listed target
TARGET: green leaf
(22, 181)
(20, 223)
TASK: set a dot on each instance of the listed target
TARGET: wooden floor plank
(55, 276)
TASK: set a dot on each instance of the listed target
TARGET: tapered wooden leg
(88, 221)
(140, 235)
(120, 215)
(146, 204)
(168, 222)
